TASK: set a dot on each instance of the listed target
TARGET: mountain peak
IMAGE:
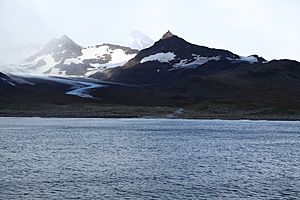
(168, 34)
(53, 43)
(63, 47)
(64, 38)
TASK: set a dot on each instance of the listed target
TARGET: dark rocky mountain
(195, 74)
(170, 57)
(64, 57)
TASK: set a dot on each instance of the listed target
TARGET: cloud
(267, 27)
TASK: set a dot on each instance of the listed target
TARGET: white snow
(94, 52)
(96, 65)
(49, 63)
(196, 61)
(69, 61)
(249, 59)
(200, 61)
(161, 57)
(57, 71)
(181, 63)
(83, 89)
(118, 57)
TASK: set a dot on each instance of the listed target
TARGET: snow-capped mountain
(135, 40)
(172, 53)
(172, 72)
(178, 53)
(64, 57)
(140, 40)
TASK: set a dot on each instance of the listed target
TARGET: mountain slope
(64, 57)
(6, 82)
(172, 73)
(171, 56)
(275, 83)
(134, 39)
(195, 74)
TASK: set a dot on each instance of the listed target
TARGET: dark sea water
(148, 159)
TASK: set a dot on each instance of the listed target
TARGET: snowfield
(95, 58)
(161, 57)
(49, 63)
(118, 56)
(249, 59)
(196, 61)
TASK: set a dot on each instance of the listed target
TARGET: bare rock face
(168, 34)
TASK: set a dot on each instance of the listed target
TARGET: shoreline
(158, 118)
(148, 112)
(229, 118)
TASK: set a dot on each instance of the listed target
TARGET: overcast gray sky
(270, 28)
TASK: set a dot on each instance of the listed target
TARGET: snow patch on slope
(49, 63)
(161, 57)
(196, 61)
(249, 59)
(200, 61)
(112, 58)
(118, 56)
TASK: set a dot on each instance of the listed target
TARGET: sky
(269, 28)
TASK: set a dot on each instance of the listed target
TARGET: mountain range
(170, 73)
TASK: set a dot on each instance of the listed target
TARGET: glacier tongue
(82, 89)
(77, 87)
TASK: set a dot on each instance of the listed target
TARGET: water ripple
(148, 159)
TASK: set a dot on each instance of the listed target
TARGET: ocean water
(148, 159)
